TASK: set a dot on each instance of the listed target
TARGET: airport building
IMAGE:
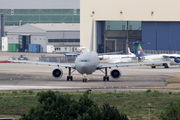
(55, 21)
(60, 36)
(117, 21)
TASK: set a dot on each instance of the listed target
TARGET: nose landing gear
(85, 78)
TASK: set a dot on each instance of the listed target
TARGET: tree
(58, 106)
(172, 111)
(111, 113)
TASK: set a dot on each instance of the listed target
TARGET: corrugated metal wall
(149, 35)
(161, 35)
(175, 36)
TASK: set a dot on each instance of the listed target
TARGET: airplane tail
(129, 52)
(83, 50)
(138, 49)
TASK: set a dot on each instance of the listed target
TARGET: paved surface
(33, 76)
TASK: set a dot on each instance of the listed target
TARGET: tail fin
(138, 49)
(92, 34)
(129, 52)
(83, 50)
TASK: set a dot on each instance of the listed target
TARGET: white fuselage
(117, 58)
(87, 63)
(158, 58)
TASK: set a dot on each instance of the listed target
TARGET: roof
(43, 28)
(27, 28)
(58, 26)
(7, 28)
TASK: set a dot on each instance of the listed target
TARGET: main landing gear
(69, 77)
(166, 66)
(106, 77)
(153, 66)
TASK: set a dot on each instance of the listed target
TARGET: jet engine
(115, 73)
(177, 60)
(104, 57)
(57, 73)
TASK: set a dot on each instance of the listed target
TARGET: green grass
(134, 104)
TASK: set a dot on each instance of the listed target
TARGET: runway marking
(15, 71)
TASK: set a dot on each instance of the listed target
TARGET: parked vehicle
(22, 57)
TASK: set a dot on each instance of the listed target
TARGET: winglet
(92, 34)
(138, 49)
(129, 52)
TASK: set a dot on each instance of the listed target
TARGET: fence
(161, 52)
(61, 59)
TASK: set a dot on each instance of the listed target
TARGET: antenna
(92, 33)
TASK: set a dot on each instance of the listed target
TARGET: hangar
(64, 37)
(117, 21)
(17, 16)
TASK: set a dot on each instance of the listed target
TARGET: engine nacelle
(177, 60)
(104, 57)
(57, 73)
(115, 73)
(141, 59)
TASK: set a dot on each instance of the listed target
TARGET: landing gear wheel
(153, 66)
(84, 79)
(106, 78)
(71, 78)
(166, 66)
(67, 78)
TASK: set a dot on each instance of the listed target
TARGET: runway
(31, 76)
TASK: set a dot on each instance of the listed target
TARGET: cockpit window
(84, 60)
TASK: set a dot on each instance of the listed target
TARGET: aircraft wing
(130, 64)
(47, 63)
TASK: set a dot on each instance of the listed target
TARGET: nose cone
(82, 68)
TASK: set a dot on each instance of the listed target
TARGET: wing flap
(47, 63)
(130, 64)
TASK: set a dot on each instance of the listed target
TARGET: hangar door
(24, 41)
(111, 35)
(161, 35)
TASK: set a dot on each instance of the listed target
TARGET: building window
(130, 27)
(123, 27)
(63, 40)
(108, 27)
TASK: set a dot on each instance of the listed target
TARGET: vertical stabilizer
(83, 50)
(129, 52)
(92, 34)
(138, 49)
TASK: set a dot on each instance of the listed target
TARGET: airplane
(142, 57)
(86, 64)
(118, 58)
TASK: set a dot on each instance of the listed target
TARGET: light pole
(149, 109)
(89, 90)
